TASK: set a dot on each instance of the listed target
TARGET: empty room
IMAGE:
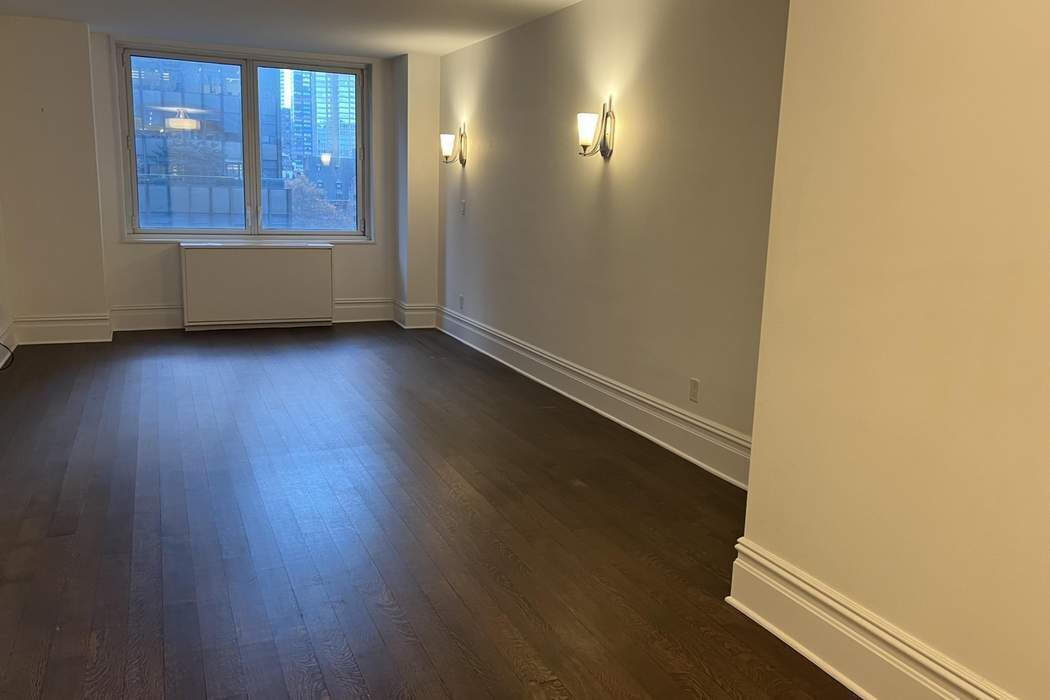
(525, 348)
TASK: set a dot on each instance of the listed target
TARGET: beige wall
(416, 80)
(48, 189)
(147, 274)
(647, 268)
(903, 404)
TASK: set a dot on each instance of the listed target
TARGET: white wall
(646, 269)
(901, 430)
(417, 78)
(143, 279)
(48, 189)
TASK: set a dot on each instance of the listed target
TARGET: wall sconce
(326, 159)
(597, 131)
(454, 147)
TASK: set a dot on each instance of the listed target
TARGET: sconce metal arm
(606, 134)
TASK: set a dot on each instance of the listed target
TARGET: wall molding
(363, 309)
(68, 328)
(415, 315)
(146, 317)
(866, 653)
(721, 450)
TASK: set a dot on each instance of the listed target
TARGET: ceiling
(378, 28)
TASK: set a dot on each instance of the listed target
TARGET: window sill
(240, 241)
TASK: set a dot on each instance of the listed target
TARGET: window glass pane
(189, 150)
(308, 148)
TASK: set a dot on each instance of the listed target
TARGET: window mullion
(253, 180)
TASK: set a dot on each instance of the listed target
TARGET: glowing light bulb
(587, 123)
(448, 145)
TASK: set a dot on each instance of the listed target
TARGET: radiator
(256, 284)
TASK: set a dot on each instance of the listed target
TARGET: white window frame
(249, 64)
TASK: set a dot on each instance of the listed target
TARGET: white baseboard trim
(864, 652)
(714, 447)
(415, 315)
(146, 317)
(364, 309)
(72, 328)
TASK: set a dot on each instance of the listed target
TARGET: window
(243, 146)
(308, 147)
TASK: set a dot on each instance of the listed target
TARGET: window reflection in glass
(189, 148)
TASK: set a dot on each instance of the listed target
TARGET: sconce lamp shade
(587, 123)
(454, 147)
(326, 159)
(448, 145)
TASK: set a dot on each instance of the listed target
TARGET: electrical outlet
(694, 390)
(462, 207)
(460, 302)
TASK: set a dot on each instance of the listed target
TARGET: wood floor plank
(358, 511)
(495, 650)
(60, 557)
(580, 659)
(261, 588)
(144, 673)
(86, 506)
(338, 664)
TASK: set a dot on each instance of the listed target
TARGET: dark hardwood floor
(357, 511)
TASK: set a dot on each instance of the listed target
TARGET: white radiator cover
(256, 284)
